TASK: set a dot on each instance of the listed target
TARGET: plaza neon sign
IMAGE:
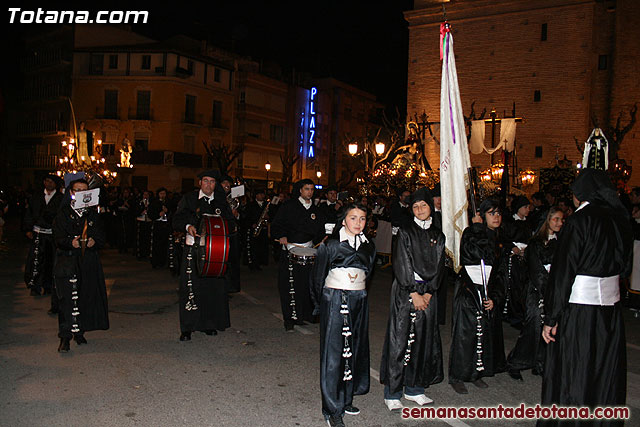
(312, 124)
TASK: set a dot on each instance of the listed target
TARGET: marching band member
(529, 349)
(80, 286)
(338, 282)
(477, 344)
(257, 248)
(143, 224)
(204, 304)
(412, 353)
(159, 213)
(297, 223)
(583, 325)
(232, 276)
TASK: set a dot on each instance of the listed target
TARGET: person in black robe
(37, 224)
(586, 357)
(477, 343)
(125, 220)
(338, 289)
(448, 263)
(143, 226)
(176, 240)
(516, 231)
(297, 223)
(257, 247)
(528, 352)
(331, 209)
(160, 214)
(412, 352)
(400, 212)
(232, 276)
(203, 301)
(79, 278)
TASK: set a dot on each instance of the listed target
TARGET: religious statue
(596, 151)
(414, 150)
(85, 145)
(125, 153)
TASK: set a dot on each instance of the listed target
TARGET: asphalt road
(254, 374)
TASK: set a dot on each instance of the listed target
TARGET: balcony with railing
(156, 157)
(45, 58)
(30, 160)
(135, 114)
(40, 127)
(192, 119)
(108, 114)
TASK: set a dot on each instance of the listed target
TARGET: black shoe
(516, 375)
(46, 292)
(536, 371)
(211, 332)
(480, 384)
(288, 327)
(335, 421)
(53, 311)
(79, 339)
(34, 292)
(351, 410)
(185, 336)
(64, 345)
(459, 388)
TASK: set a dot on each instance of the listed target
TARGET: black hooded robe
(336, 391)
(466, 363)
(417, 251)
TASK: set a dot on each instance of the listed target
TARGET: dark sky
(363, 43)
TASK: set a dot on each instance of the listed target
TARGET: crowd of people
(550, 267)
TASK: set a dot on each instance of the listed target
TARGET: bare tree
(288, 160)
(221, 155)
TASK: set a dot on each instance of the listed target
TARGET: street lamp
(267, 166)
(318, 174)
(380, 148)
(353, 148)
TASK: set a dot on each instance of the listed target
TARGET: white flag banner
(476, 145)
(454, 153)
(508, 134)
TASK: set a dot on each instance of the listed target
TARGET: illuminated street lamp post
(267, 166)
(376, 149)
(318, 174)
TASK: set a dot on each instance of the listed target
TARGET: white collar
(209, 198)
(46, 193)
(260, 202)
(552, 236)
(517, 217)
(330, 203)
(423, 224)
(582, 205)
(404, 205)
(306, 204)
(354, 241)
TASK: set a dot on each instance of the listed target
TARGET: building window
(189, 143)
(110, 104)
(217, 114)
(216, 74)
(113, 62)
(536, 96)
(538, 151)
(276, 134)
(602, 62)
(190, 67)
(108, 144)
(96, 64)
(141, 142)
(146, 62)
(243, 96)
(190, 109)
(143, 109)
(543, 33)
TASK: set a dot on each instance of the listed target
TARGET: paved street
(254, 374)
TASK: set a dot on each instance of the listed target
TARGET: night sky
(360, 42)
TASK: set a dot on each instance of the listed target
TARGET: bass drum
(213, 247)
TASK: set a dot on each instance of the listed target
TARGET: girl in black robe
(338, 279)
(477, 344)
(78, 272)
(586, 357)
(412, 353)
(529, 350)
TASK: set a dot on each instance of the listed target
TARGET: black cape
(420, 251)
(465, 362)
(586, 365)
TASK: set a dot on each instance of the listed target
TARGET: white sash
(347, 278)
(590, 290)
(42, 230)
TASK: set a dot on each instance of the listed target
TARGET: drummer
(204, 305)
(298, 224)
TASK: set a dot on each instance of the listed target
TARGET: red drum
(213, 248)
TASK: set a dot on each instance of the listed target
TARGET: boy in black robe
(203, 301)
(78, 272)
(160, 213)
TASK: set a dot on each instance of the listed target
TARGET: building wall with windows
(560, 61)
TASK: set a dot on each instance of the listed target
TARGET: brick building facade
(560, 61)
